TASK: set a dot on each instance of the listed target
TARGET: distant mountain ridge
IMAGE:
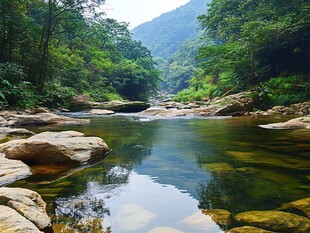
(166, 33)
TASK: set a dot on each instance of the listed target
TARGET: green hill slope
(165, 34)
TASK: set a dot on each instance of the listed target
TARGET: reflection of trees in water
(84, 213)
(83, 207)
(238, 192)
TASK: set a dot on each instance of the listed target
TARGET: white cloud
(139, 11)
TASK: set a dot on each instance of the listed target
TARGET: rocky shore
(290, 218)
(23, 210)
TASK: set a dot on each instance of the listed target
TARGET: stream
(161, 173)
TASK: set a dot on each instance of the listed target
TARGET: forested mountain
(261, 45)
(178, 68)
(52, 50)
(166, 33)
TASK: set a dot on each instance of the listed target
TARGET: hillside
(166, 33)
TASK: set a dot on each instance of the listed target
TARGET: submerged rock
(300, 206)
(223, 218)
(27, 203)
(55, 147)
(274, 221)
(296, 123)
(12, 222)
(275, 160)
(12, 170)
(247, 229)
(219, 168)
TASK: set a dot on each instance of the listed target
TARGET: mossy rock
(248, 170)
(274, 160)
(247, 229)
(299, 207)
(277, 221)
(223, 218)
(218, 167)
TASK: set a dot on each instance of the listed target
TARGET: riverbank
(21, 119)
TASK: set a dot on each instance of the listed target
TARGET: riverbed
(161, 174)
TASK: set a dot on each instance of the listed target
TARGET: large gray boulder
(42, 119)
(12, 222)
(55, 148)
(232, 105)
(296, 123)
(12, 170)
(27, 203)
(121, 106)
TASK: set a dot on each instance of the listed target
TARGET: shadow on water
(163, 172)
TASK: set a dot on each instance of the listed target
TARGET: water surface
(163, 172)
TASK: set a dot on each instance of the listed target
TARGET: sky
(139, 11)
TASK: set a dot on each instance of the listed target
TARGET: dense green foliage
(257, 41)
(165, 34)
(178, 68)
(52, 50)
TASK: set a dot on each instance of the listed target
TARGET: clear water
(163, 172)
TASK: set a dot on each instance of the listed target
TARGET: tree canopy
(52, 50)
(256, 44)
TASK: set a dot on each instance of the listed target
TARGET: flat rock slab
(101, 112)
(296, 123)
(42, 119)
(12, 222)
(55, 148)
(121, 106)
(27, 203)
(12, 170)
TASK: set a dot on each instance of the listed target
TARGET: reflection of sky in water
(139, 205)
(159, 171)
(173, 158)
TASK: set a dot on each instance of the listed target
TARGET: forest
(50, 51)
(248, 45)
